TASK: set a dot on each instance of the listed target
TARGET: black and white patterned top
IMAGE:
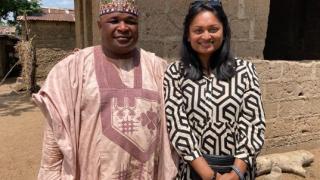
(215, 117)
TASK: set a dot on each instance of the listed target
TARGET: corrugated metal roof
(6, 30)
(51, 14)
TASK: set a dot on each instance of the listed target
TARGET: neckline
(109, 74)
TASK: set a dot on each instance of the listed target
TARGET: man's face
(119, 33)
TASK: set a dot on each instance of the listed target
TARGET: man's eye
(131, 22)
(113, 21)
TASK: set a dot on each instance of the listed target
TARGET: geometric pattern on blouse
(209, 116)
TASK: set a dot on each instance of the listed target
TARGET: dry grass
(27, 58)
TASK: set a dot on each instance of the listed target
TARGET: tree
(17, 8)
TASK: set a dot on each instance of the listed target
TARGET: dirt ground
(20, 136)
(21, 125)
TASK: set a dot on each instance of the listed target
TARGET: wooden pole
(26, 25)
(33, 70)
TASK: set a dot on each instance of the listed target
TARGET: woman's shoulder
(244, 64)
(175, 67)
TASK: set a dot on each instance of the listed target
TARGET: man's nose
(122, 26)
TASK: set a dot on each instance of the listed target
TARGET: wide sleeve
(251, 122)
(58, 100)
(180, 133)
(51, 160)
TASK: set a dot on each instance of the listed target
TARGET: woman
(213, 100)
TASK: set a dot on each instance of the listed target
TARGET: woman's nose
(206, 35)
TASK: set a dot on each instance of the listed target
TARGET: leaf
(18, 7)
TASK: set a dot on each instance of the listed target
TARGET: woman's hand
(228, 176)
(201, 166)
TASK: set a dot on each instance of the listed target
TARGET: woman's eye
(213, 30)
(198, 31)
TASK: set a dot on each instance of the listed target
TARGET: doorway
(293, 30)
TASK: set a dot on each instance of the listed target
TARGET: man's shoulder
(152, 57)
(153, 61)
(81, 53)
(76, 56)
(73, 61)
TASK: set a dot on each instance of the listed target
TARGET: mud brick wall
(161, 25)
(291, 98)
(51, 34)
(47, 58)
(53, 40)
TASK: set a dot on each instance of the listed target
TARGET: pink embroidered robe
(105, 120)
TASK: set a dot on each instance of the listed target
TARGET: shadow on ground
(13, 104)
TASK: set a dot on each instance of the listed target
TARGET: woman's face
(205, 34)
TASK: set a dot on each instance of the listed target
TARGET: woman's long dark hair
(221, 62)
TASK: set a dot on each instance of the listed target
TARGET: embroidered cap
(126, 6)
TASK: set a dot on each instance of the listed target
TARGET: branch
(5, 77)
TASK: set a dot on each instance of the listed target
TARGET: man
(104, 108)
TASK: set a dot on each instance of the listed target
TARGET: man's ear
(99, 23)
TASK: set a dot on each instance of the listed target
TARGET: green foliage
(18, 8)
